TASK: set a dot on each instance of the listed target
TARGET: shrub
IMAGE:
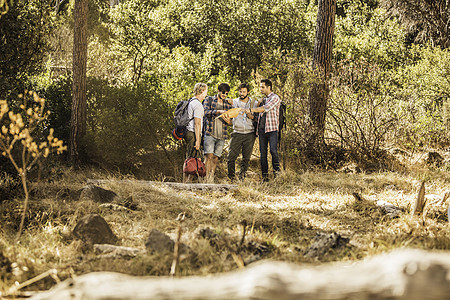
(361, 111)
(58, 95)
(23, 41)
(423, 93)
(20, 141)
(126, 123)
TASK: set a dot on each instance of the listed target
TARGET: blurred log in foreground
(401, 274)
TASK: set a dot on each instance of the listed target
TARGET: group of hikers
(209, 118)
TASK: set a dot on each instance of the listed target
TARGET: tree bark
(402, 274)
(318, 96)
(78, 117)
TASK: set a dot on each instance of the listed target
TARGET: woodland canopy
(389, 84)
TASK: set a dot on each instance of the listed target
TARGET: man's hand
(227, 119)
(197, 145)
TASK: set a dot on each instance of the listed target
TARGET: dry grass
(281, 217)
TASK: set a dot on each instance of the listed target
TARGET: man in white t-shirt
(243, 136)
(193, 135)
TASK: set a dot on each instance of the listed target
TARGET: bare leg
(214, 162)
(209, 161)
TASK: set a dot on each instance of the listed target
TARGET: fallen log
(177, 185)
(401, 274)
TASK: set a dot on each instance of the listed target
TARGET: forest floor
(282, 220)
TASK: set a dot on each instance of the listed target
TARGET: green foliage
(139, 31)
(126, 123)
(153, 52)
(22, 140)
(372, 106)
(4, 7)
(248, 29)
(362, 111)
(23, 44)
(231, 35)
(424, 98)
(426, 21)
(58, 95)
(368, 34)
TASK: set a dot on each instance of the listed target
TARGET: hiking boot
(241, 177)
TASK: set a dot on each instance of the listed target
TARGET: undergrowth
(280, 220)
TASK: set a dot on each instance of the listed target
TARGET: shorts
(213, 145)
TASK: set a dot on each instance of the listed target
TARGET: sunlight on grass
(280, 220)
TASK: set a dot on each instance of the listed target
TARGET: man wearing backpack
(243, 136)
(215, 131)
(194, 127)
(267, 128)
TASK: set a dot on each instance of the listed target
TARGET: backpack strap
(189, 102)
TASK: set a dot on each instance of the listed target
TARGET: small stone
(97, 194)
(114, 207)
(323, 242)
(159, 242)
(434, 158)
(162, 243)
(93, 229)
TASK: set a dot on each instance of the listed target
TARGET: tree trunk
(78, 118)
(175, 185)
(318, 96)
(402, 274)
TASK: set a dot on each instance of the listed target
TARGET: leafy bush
(232, 36)
(23, 43)
(423, 93)
(366, 33)
(22, 141)
(126, 123)
(362, 112)
(58, 95)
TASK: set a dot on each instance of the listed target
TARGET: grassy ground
(280, 220)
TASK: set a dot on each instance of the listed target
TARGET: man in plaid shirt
(215, 129)
(267, 130)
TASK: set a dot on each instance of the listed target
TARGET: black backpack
(282, 119)
(181, 119)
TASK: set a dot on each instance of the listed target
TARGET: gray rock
(323, 242)
(162, 243)
(389, 209)
(114, 207)
(434, 158)
(210, 235)
(93, 229)
(97, 194)
(5, 264)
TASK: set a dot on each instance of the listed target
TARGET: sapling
(17, 138)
